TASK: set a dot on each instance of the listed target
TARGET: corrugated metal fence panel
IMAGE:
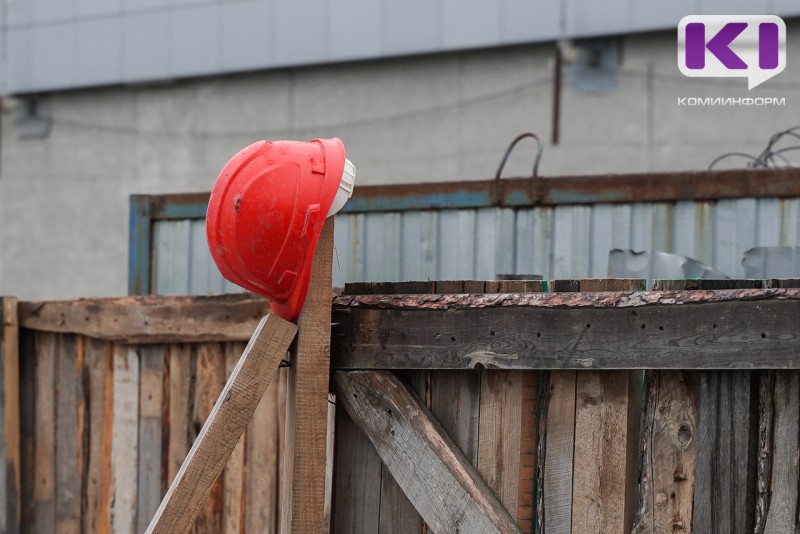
(555, 242)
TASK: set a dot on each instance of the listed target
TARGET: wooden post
(223, 428)
(305, 459)
(9, 358)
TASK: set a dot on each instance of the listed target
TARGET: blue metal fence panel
(555, 242)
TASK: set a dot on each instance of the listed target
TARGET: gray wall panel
(589, 17)
(93, 8)
(247, 39)
(53, 55)
(522, 18)
(146, 48)
(354, 27)
(300, 31)
(468, 23)
(99, 46)
(47, 11)
(411, 26)
(196, 43)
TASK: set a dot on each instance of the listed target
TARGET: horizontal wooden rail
(150, 319)
(748, 328)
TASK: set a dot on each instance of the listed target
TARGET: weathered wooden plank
(28, 364)
(43, 518)
(10, 490)
(263, 444)
(224, 426)
(663, 334)
(69, 433)
(99, 357)
(500, 435)
(209, 382)
(327, 509)
(559, 449)
(397, 514)
(303, 488)
(455, 403)
(151, 386)
(766, 389)
(669, 444)
(357, 495)
(150, 319)
(124, 440)
(781, 516)
(606, 452)
(445, 489)
(606, 434)
(181, 365)
(234, 478)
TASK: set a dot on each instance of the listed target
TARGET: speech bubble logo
(732, 46)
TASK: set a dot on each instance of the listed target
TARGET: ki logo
(732, 46)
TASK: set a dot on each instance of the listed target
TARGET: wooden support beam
(223, 428)
(150, 319)
(725, 329)
(437, 478)
(303, 488)
(9, 381)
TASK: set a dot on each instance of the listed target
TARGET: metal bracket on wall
(32, 118)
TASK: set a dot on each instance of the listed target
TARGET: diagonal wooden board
(223, 428)
(445, 489)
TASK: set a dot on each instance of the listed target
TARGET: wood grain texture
(69, 433)
(303, 488)
(444, 488)
(781, 516)
(181, 362)
(766, 389)
(209, 382)
(669, 445)
(124, 440)
(151, 385)
(606, 434)
(224, 426)
(43, 517)
(711, 335)
(500, 435)
(234, 474)
(99, 366)
(150, 319)
(455, 403)
(559, 453)
(357, 495)
(263, 446)
(9, 359)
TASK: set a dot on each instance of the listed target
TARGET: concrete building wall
(64, 197)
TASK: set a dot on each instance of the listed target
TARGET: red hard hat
(266, 213)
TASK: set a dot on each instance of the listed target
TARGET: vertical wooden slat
(455, 402)
(99, 365)
(151, 378)
(124, 440)
(234, 474)
(560, 441)
(210, 379)
(181, 365)
(668, 456)
(262, 463)
(9, 359)
(28, 365)
(303, 491)
(606, 434)
(357, 494)
(766, 389)
(69, 433)
(781, 516)
(43, 518)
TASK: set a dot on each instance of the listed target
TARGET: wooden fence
(505, 406)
